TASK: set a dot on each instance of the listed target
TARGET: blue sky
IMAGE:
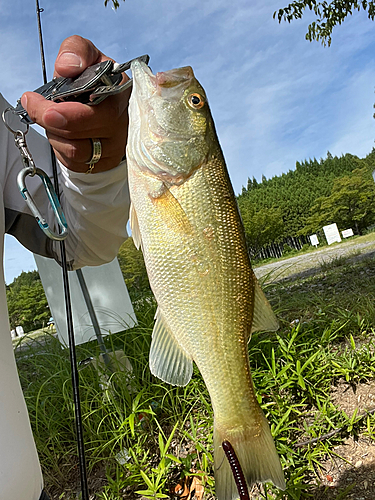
(276, 98)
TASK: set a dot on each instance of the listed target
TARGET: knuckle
(77, 39)
(73, 152)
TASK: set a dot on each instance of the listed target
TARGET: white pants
(20, 473)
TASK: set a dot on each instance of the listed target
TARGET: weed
(337, 261)
(143, 436)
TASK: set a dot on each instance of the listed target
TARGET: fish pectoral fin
(168, 360)
(264, 318)
(134, 226)
(172, 213)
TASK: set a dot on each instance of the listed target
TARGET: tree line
(27, 302)
(300, 202)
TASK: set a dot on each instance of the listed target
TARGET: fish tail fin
(254, 450)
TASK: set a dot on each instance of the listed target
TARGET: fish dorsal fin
(264, 318)
(134, 226)
(168, 360)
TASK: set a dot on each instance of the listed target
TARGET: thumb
(75, 55)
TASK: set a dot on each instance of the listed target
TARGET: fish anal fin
(168, 360)
(263, 318)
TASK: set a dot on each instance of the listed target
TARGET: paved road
(308, 262)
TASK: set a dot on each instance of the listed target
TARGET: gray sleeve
(96, 206)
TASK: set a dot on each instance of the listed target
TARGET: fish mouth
(144, 81)
(147, 87)
(147, 84)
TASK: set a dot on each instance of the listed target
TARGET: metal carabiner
(56, 207)
(20, 140)
(31, 169)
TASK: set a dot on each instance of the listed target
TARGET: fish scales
(194, 272)
(185, 217)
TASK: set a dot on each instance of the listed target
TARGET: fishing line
(68, 306)
(237, 471)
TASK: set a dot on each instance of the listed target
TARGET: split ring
(14, 132)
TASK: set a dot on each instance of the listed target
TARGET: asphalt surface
(311, 262)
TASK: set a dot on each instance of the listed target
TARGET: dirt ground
(351, 467)
(350, 471)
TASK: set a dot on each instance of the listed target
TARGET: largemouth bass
(184, 215)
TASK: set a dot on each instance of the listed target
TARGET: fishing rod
(68, 305)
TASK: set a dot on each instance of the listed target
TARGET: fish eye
(196, 101)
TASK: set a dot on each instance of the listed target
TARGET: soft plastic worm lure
(237, 472)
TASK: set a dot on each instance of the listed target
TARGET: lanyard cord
(68, 306)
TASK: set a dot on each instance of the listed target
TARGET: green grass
(326, 335)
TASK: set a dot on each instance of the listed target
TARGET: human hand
(70, 126)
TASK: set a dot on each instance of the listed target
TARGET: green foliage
(350, 204)
(165, 432)
(261, 227)
(27, 303)
(133, 268)
(156, 478)
(115, 3)
(281, 207)
(328, 15)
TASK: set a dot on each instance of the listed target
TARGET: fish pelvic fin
(256, 453)
(168, 360)
(134, 226)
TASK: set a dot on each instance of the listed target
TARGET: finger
(81, 151)
(101, 166)
(77, 120)
(75, 55)
(76, 155)
(73, 151)
(36, 106)
(66, 119)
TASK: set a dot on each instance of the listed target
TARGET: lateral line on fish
(238, 475)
